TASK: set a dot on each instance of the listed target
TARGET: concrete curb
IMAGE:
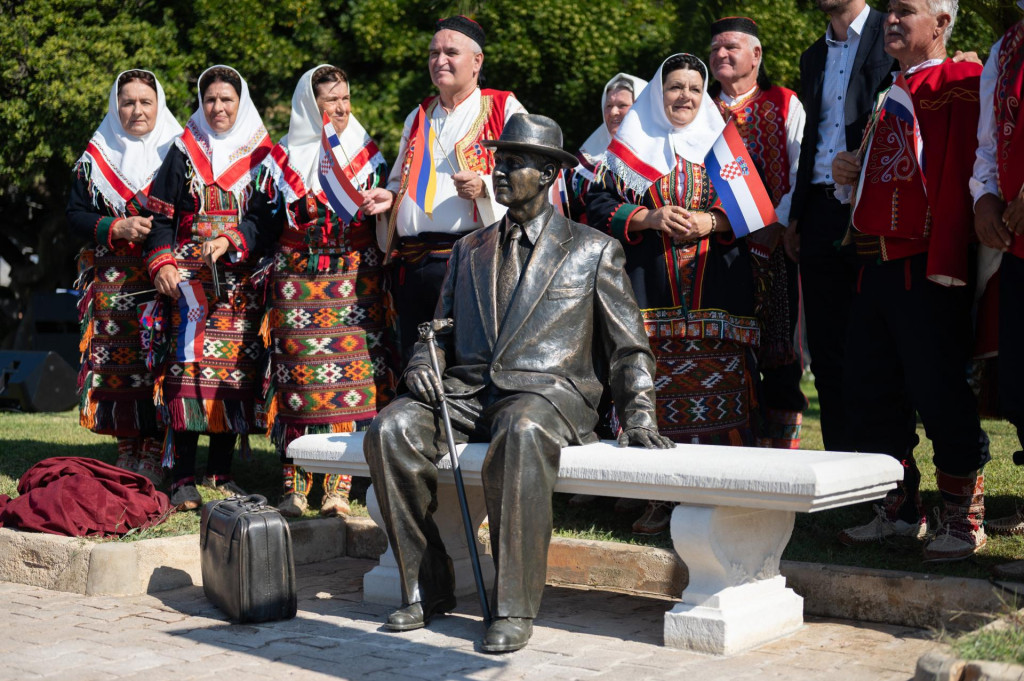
(939, 666)
(129, 568)
(147, 566)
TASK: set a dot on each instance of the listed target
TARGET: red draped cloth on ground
(81, 497)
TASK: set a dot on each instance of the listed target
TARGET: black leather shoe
(414, 617)
(507, 634)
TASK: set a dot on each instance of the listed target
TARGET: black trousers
(827, 278)
(1011, 341)
(218, 462)
(907, 352)
(780, 386)
(526, 437)
(416, 289)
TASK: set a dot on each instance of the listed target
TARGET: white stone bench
(736, 511)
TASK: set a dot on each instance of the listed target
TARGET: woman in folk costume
(107, 207)
(327, 326)
(694, 281)
(616, 99)
(208, 220)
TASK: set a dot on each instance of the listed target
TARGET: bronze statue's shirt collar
(532, 228)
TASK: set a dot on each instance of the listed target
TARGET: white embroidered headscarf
(223, 150)
(303, 141)
(126, 164)
(646, 144)
(593, 149)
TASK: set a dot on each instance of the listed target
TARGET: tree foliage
(58, 59)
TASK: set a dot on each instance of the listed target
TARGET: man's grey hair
(474, 45)
(620, 84)
(752, 41)
(950, 7)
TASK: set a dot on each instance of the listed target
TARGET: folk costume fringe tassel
(210, 416)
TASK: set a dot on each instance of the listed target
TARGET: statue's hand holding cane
(423, 383)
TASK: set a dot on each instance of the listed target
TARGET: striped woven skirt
(706, 380)
(218, 392)
(116, 387)
(332, 344)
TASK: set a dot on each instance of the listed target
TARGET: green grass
(28, 438)
(1001, 641)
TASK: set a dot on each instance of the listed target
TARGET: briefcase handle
(247, 504)
(252, 502)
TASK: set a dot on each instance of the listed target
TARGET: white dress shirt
(832, 124)
(451, 215)
(984, 181)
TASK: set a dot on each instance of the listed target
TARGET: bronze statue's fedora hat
(536, 133)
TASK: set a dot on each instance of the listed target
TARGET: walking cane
(428, 330)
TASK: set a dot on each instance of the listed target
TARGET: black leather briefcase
(246, 553)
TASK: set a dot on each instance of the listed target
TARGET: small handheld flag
(422, 172)
(191, 331)
(738, 184)
(559, 196)
(897, 102)
(344, 198)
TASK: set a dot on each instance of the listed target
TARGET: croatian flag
(898, 103)
(193, 307)
(422, 173)
(559, 196)
(344, 198)
(739, 186)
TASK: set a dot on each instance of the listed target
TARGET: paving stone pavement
(580, 634)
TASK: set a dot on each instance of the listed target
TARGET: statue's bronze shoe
(413, 616)
(507, 634)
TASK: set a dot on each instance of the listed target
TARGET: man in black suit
(839, 75)
(543, 312)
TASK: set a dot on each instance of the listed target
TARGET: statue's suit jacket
(572, 326)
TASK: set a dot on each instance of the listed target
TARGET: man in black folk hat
(770, 119)
(461, 115)
(543, 312)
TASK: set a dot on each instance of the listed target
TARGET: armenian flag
(422, 173)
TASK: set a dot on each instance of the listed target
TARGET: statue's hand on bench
(643, 437)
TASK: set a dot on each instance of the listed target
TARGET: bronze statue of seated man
(544, 317)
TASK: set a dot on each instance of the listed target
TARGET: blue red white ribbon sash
(337, 186)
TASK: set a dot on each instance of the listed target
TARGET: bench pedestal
(736, 599)
(382, 584)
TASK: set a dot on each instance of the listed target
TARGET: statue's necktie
(511, 267)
